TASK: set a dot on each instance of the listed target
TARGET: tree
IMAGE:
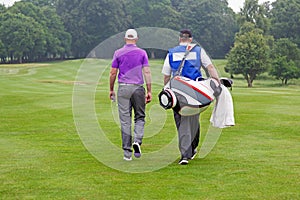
(285, 20)
(285, 60)
(250, 54)
(153, 13)
(257, 14)
(90, 22)
(2, 47)
(284, 70)
(2, 8)
(2, 52)
(212, 22)
(42, 3)
(22, 36)
(285, 47)
(58, 41)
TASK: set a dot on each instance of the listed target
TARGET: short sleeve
(145, 60)
(115, 63)
(205, 59)
(166, 70)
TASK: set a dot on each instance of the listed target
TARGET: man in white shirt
(188, 127)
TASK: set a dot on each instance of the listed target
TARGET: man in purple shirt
(131, 64)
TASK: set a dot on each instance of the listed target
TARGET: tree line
(267, 41)
(38, 30)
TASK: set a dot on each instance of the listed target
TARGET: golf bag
(188, 97)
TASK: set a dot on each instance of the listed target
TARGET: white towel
(223, 114)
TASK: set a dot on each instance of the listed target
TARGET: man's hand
(112, 79)
(148, 97)
(112, 95)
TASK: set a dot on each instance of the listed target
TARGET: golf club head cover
(217, 89)
(227, 82)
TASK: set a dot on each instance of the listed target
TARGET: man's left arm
(112, 79)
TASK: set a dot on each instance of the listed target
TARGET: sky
(234, 4)
(7, 2)
(237, 4)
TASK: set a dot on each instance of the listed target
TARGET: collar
(184, 43)
(130, 45)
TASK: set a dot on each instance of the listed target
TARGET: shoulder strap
(189, 48)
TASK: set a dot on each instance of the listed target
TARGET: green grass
(43, 157)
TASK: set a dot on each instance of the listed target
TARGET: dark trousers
(188, 128)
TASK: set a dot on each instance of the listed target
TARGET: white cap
(131, 34)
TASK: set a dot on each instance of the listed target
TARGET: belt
(130, 84)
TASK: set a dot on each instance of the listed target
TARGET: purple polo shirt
(130, 61)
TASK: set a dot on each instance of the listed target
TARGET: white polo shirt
(205, 60)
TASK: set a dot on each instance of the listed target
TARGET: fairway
(44, 130)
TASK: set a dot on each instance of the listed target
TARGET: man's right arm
(207, 63)
(166, 79)
(166, 71)
(213, 72)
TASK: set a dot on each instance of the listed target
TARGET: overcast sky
(234, 4)
(7, 2)
(237, 4)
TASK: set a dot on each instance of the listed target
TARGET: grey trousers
(131, 96)
(188, 128)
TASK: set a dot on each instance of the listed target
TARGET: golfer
(131, 65)
(188, 127)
